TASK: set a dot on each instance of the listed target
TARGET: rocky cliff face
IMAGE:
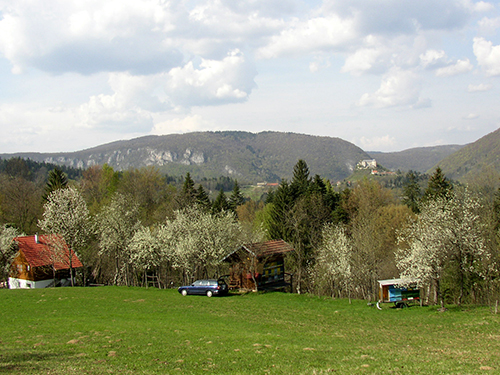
(251, 157)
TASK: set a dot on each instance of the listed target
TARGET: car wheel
(184, 292)
(209, 293)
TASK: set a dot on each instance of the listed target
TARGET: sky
(386, 75)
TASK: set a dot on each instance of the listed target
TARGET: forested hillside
(475, 157)
(248, 157)
(420, 159)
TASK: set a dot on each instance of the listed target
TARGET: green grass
(148, 331)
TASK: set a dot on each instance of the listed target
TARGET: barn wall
(15, 283)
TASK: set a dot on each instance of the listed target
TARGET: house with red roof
(41, 261)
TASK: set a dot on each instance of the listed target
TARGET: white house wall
(15, 283)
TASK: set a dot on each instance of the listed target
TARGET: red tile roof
(42, 253)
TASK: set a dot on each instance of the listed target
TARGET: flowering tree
(65, 213)
(7, 249)
(444, 241)
(146, 251)
(116, 225)
(198, 240)
(334, 260)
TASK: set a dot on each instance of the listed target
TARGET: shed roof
(263, 249)
(40, 251)
(396, 282)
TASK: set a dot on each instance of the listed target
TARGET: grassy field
(112, 330)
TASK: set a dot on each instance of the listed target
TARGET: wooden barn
(259, 266)
(41, 262)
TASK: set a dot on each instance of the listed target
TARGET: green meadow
(120, 330)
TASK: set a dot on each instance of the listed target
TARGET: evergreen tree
(220, 203)
(202, 199)
(318, 186)
(236, 199)
(412, 193)
(301, 181)
(282, 203)
(438, 186)
(57, 180)
(187, 196)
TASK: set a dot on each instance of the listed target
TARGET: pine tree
(187, 196)
(202, 199)
(282, 203)
(301, 181)
(236, 199)
(412, 194)
(220, 204)
(57, 180)
(438, 186)
(318, 186)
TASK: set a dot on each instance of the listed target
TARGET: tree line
(128, 227)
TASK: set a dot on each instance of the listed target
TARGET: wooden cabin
(41, 262)
(258, 266)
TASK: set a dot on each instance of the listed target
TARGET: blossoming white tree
(446, 236)
(116, 225)
(65, 213)
(198, 240)
(334, 260)
(7, 250)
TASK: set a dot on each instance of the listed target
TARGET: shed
(41, 262)
(258, 265)
(399, 291)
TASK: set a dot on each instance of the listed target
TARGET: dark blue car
(208, 288)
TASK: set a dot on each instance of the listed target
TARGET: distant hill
(419, 159)
(248, 157)
(483, 153)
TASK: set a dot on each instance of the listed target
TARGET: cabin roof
(40, 251)
(396, 282)
(263, 249)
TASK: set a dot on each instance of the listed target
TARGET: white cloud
(489, 25)
(214, 82)
(87, 37)
(482, 6)
(122, 66)
(319, 63)
(433, 58)
(471, 116)
(394, 17)
(460, 67)
(363, 60)
(488, 56)
(398, 88)
(377, 143)
(129, 107)
(182, 125)
(479, 88)
(136, 98)
(327, 33)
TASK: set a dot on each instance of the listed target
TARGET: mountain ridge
(269, 155)
(264, 156)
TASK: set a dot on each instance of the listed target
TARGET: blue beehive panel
(394, 294)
